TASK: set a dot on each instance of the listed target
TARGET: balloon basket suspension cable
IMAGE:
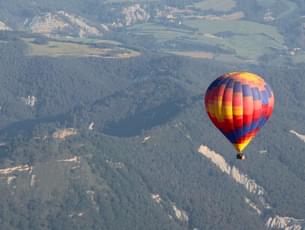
(240, 156)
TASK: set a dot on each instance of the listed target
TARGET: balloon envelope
(239, 104)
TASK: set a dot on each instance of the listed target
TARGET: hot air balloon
(239, 104)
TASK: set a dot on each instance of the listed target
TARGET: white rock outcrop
(11, 179)
(300, 136)
(10, 174)
(33, 180)
(19, 168)
(273, 222)
(115, 165)
(75, 159)
(91, 126)
(286, 223)
(91, 195)
(253, 205)
(232, 171)
(134, 14)
(78, 214)
(76, 21)
(268, 16)
(4, 27)
(62, 134)
(147, 138)
(180, 214)
(65, 23)
(157, 198)
(29, 100)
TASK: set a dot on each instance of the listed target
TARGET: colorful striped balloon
(239, 104)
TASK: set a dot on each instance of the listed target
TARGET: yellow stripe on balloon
(241, 146)
(218, 104)
(251, 76)
(211, 109)
(218, 111)
(238, 110)
(227, 111)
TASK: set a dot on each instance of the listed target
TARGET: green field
(56, 48)
(160, 32)
(290, 6)
(217, 5)
(247, 40)
(298, 58)
(266, 3)
(237, 27)
(130, 1)
(86, 40)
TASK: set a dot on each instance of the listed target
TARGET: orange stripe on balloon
(248, 105)
(237, 99)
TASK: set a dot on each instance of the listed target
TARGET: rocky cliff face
(29, 100)
(64, 23)
(171, 208)
(239, 177)
(286, 223)
(272, 222)
(298, 135)
(3, 26)
(62, 134)
(134, 14)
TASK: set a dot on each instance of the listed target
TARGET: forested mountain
(102, 124)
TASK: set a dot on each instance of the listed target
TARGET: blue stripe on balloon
(218, 82)
(246, 91)
(241, 132)
(265, 97)
(225, 81)
(230, 83)
(269, 90)
(255, 93)
(215, 83)
(237, 87)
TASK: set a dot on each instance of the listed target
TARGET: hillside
(102, 124)
(162, 180)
